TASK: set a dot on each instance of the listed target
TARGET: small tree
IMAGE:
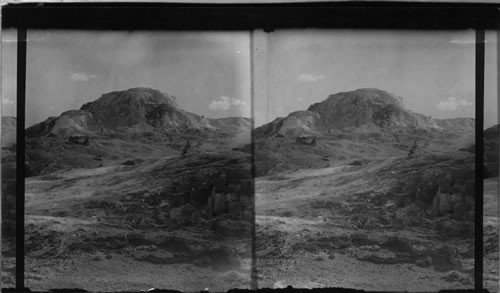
(186, 148)
(413, 149)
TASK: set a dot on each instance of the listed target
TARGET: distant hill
(133, 110)
(8, 131)
(130, 126)
(233, 125)
(363, 110)
(491, 150)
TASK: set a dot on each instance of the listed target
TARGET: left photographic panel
(8, 152)
(138, 160)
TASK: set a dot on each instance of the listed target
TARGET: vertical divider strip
(478, 245)
(497, 44)
(253, 273)
(20, 160)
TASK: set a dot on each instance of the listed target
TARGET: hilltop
(369, 112)
(130, 111)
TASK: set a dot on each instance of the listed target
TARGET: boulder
(398, 244)
(182, 214)
(79, 139)
(464, 279)
(425, 262)
(341, 242)
(306, 140)
(360, 239)
(445, 259)
(410, 214)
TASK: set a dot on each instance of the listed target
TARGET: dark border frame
(163, 16)
(168, 16)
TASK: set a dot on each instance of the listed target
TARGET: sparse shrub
(186, 148)
(413, 149)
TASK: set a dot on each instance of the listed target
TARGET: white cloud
(6, 101)
(80, 76)
(462, 41)
(9, 41)
(306, 77)
(452, 104)
(225, 103)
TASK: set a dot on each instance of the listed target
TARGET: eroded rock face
(222, 189)
(455, 194)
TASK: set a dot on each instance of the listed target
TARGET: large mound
(139, 108)
(362, 110)
(368, 106)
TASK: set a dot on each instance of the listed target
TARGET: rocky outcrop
(455, 194)
(233, 196)
(217, 186)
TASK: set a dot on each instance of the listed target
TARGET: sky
(210, 74)
(433, 71)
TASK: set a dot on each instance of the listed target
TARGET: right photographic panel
(365, 160)
(490, 171)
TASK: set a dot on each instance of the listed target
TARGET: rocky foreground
(86, 227)
(366, 224)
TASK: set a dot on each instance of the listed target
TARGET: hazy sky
(209, 72)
